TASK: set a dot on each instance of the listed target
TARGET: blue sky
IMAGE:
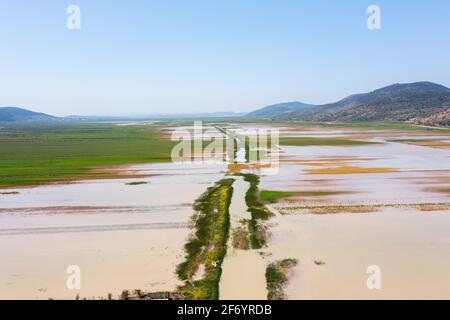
(172, 56)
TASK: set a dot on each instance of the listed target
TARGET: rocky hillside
(419, 102)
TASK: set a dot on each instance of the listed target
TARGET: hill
(14, 114)
(419, 102)
(275, 110)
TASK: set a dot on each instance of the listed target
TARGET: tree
(125, 295)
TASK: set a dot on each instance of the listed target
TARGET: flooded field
(345, 201)
(353, 208)
(336, 252)
(122, 235)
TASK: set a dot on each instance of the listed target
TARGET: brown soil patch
(349, 170)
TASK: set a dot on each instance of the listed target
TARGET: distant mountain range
(224, 114)
(280, 109)
(14, 114)
(419, 102)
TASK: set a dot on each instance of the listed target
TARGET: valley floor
(344, 199)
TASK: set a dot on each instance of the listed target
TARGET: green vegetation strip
(46, 153)
(258, 232)
(277, 278)
(268, 196)
(302, 141)
(207, 247)
(274, 196)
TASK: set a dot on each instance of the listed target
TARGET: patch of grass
(251, 197)
(40, 154)
(277, 278)
(319, 262)
(274, 196)
(258, 232)
(306, 141)
(207, 246)
(136, 183)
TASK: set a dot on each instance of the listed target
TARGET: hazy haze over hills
(418, 102)
(15, 114)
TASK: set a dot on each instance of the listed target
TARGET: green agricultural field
(32, 155)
